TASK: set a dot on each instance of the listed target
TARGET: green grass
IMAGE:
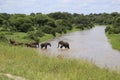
(17, 36)
(4, 78)
(27, 63)
(46, 37)
(114, 40)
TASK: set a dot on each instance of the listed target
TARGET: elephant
(44, 45)
(63, 44)
(12, 41)
(30, 45)
(35, 44)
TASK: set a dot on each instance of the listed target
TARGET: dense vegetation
(114, 28)
(37, 25)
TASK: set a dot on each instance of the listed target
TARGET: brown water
(91, 45)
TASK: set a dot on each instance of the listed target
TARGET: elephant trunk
(50, 45)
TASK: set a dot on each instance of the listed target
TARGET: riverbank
(27, 63)
(114, 39)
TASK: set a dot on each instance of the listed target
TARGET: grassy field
(114, 40)
(28, 63)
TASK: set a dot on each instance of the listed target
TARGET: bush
(39, 33)
(35, 34)
(25, 27)
(3, 38)
(112, 30)
(53, 32)
(80, 26)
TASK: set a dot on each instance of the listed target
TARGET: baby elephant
(63, 44)
(44, 45)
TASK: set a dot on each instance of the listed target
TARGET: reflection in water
(88, 44)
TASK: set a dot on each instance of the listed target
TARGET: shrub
(3, 38)
(35, 35)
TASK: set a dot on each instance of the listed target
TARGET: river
(91, 45)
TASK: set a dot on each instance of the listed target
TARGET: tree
(41, 19)
(35, 35)
(117, 22)
(6, 26)
(83, 22)
(21, 23)
(47, 29)
(60, 26)
(1, 21)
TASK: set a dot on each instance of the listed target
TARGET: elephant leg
(45, 47)
(68, 47)
(42, 46)
(61, 46)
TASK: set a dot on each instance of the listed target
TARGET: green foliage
(83, 22)
(61, 15)
(103, 18)
(36, 24)
(80, 26)
(25, 27)
(116, 23)
(41, 19)
(47, 29)
(57, 22)
(114, 28)
(35, 35)
(3, 38)
(39, 33)
(22, 24)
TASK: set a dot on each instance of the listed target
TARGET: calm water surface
(91, 45)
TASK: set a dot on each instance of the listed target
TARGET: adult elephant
(63, 44)
(44, 45)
